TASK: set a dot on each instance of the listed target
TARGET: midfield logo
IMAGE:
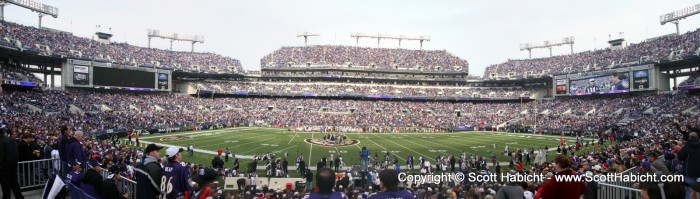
(329, 143)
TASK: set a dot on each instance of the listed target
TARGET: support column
(529, 52)
(378, 39)
(678, 32)
(2, 11)
(550, 51)
(421, 44)
(171, 45)
(399, 43)
(149, 42)
(193, 46)
(40, 16)
(572, 49)
(53, 77)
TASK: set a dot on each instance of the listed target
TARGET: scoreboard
(111, 76)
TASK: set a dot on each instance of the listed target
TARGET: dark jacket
(26, 151)
(92, 183)
(9, 156)
(110, 190)
(62, 144)
(690, 154)
(148, 188)
(74, 151)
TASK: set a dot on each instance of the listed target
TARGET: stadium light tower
(174, 37)
(32, 5)
(306, 36)
(548, 44)
(676, 16)
(379, 37)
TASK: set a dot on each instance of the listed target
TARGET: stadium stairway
(105, 108)
(618, 111)
(592, 111)
(75, 109)
(650, 110)
(693, 110)
(33, 108)
(132, 107)
(567, 112)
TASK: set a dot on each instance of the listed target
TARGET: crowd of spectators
(371, 58)
(66, 45)
(657, 133)
(12, 73)
(599, 113)
(364, 74)
(367, 89)
(666, 48)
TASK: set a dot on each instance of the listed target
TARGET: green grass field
(247, 141)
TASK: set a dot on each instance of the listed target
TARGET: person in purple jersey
(74, 175)
(389, 185)
(325, 181)
(175, 181)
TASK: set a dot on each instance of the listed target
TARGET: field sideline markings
(194, 132)
(400, 146)
(295, 135)
(311, 148)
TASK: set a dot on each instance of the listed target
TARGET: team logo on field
(329, 143)
(176, 137)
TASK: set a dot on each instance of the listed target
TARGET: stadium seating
(366, 89)
(666, 48)
(368, 58)
(66, 45)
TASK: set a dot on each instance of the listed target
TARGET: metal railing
(614, 191)
(36, 173)
(631, 171)
(123, 185)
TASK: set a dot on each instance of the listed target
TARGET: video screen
(600, 84)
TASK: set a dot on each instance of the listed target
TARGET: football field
(248, 141)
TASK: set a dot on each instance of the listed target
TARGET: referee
(592, 88)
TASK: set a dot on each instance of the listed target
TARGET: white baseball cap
(172, 151)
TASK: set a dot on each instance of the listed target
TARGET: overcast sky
(482, 32)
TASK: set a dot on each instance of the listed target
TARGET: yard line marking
(310, 148)
(394, 144)
(295, 135)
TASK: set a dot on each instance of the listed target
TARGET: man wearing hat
(658, 163)
(149, 174)
(74, 175)
(592, 88)
(203, 182)
(92, 182)
(176, 175)
(109, 186)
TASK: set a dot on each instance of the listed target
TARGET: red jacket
(563, 190)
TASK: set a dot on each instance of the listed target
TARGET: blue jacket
(364, 154)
